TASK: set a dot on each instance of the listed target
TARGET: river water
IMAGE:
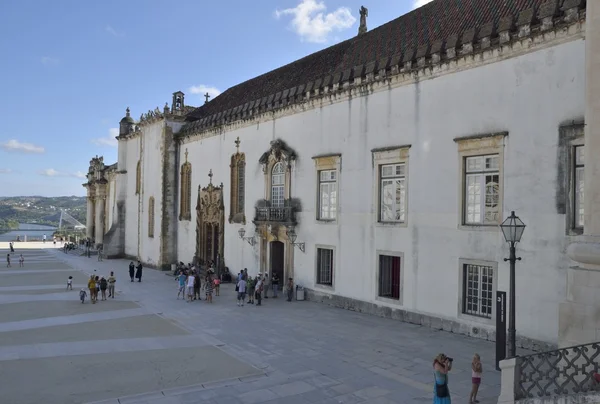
(32, 231)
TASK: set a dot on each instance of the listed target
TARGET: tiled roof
(402, 37)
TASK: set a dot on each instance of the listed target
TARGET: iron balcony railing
(557, 373)
(285, 214)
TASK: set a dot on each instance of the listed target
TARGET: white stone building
(392, 157)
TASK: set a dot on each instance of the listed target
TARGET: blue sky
(71, 67)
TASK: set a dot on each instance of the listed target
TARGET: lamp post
(250, 240)
(291, 233)
(512, 229)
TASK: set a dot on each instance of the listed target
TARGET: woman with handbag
(441, 366)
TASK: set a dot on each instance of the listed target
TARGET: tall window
(138, 177)
(151, 217)
(277, 185)
(482, 190)
(389, 277)
(186, 192)
(478, 282)
(327, 194)
(392, 193)
(238, 187)
(325, 266)
(578, 186)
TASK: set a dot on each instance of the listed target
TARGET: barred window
(138, 177)
(579, 170)
(392, 193)
(186, 192)
(238, 187)
(478, 282)
(482, 190)
(151, 217)
(327, 194)
(389, 277)
(325, 266)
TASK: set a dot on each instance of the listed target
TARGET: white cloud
(203, 89)
(51, 172)
(112, 31)
(108, 140)
(420, 3)
(5, 171)
(16, 146)
(49, 61)
(311, 23)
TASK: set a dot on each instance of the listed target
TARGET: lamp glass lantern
(292, 235)
(512, 228)
(241, 232)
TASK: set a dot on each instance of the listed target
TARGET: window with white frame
(389, 277)
(579, 170)
(392, 193)
(327, 194)
(482, 190)
(478, 285)
(277, 185)
(325, 266)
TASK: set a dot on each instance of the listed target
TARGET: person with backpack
(103, 287)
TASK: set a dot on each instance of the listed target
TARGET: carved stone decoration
(279, 151)
(210, 225)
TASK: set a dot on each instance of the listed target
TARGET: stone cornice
(492, 43)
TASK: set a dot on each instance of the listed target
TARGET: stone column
(100, 202)
(579, 320)
(90, 217)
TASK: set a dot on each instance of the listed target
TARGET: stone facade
(317, 158)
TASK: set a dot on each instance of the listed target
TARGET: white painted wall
(528, 96)
(132, 200)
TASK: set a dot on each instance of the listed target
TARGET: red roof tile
(433, 22)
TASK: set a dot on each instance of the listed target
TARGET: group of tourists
(95, 284)
(191, 283)
(8, 258)
(258, 286)
(442, 364)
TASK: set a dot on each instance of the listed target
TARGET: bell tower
(178, 104)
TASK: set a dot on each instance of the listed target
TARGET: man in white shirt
(190, 286)
(241, 292)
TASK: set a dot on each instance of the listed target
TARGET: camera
(449, 359)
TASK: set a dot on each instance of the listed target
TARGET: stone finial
(206, 96)
(571, 9)
(237, 145)
(364, 13)
(524, 22)
(505, 27)
(546, 14)
(127, 112)
(210, 175)
(166, 108)
(186, 155)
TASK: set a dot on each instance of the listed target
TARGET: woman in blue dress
(441, 366)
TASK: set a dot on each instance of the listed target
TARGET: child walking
(82, 295)
(21, 261)
(477, 370)
(70, 283)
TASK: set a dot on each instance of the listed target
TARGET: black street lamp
(513, 229)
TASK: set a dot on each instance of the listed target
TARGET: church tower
(127, 124)
(178, 105)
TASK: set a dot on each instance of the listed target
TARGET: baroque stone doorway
(210, 219)
(277, 263)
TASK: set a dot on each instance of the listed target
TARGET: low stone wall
(426, 320)
(584, 398)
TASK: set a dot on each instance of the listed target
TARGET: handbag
(237, 288)
(441, 390)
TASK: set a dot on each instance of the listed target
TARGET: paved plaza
(146, 347)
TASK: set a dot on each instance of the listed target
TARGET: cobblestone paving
(299, 352)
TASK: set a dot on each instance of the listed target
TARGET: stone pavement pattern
(146, 347)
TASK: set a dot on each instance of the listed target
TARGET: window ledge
(480, 227)
(327, 221)
(392, 224)
(324, 288)
(575, 231)
(395, 302)
(477, 319)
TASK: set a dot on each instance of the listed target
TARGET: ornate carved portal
(210, 213)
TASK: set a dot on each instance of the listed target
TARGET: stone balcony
(266, 214)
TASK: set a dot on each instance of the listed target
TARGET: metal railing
(271, 214)
(556, 373)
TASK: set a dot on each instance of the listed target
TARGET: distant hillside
(40, 209)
